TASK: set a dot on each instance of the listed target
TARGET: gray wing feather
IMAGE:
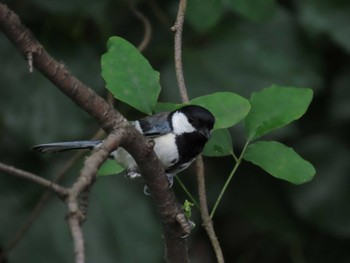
(65, 146)
(154, 125)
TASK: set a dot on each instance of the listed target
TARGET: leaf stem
(187, 192)
(223, 190)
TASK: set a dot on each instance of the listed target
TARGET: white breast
(166, 149)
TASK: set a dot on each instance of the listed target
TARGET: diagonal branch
(112, 122)
(61, 191)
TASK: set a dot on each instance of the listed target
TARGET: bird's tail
(65, 146)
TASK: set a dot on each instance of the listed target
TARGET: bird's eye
(190, 119)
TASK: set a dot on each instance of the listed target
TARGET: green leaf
(255, 10)
(110, 167)
(280, 161)
(129, 76)
(275, 107)
(187, 207)
(220, 144)
(210, 10)
(227, 107)
(166, 106)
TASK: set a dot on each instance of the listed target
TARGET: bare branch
(146, 24)
(159, 13)
(207, 221)
(61, 191)
(177, 28)
(22, 230)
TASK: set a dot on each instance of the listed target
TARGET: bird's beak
(206, 133)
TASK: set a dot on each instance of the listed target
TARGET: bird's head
(192, 118)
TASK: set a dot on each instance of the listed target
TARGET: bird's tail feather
(65, 146)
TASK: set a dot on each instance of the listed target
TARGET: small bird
(179, 137)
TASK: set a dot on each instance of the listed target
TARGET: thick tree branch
(111, 121)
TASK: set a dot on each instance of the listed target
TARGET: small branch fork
(120, 134)
(206, 219)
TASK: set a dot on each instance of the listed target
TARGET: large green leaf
(220, 144)
(280, 161)
(275, 107)
(129, 76)
(166, 106)
(227, 107)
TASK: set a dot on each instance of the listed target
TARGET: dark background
(228, 46)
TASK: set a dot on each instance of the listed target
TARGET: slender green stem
(187, 192)
(223, 190)
(234, 156)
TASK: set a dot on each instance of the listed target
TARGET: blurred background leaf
(255, 10)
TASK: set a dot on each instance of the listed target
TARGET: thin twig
(74, 219)
(207, 221)
(159, 13)
(177, 28)
(61, 191)
(22, 230)
(146, 24)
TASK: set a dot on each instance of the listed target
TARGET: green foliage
(267, 110)
(129, 76)
(227, 107)
(204, 15)
(110, 167)
(254, 10)
(220, 144)
(275, 107)
(280, 161)
(210, 10)
(301, 44)
(187, 208)
(327, 17)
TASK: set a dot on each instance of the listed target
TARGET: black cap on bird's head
(193, 118)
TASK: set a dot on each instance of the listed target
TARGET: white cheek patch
(181, 124)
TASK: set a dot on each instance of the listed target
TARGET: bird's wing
(154, 125)
(55, 147)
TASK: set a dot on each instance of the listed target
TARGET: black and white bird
(179, 137)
